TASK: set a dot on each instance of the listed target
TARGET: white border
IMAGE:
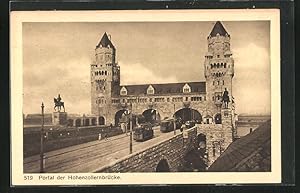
(17, 17)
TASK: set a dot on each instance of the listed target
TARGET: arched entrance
(70, 122)
(218, 119)
(162, 166)
(101, 120)
(188, 114)
(151, 115)
(118, 116)
(93, 121)
(77, 122)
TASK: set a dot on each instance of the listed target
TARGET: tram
(167, 125)
(143, 132)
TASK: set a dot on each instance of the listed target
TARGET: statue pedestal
(59, 118)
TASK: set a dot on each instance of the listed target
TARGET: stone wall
(258, 161)
(218, 136)
(172, 150)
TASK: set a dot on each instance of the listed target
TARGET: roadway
(88, 157)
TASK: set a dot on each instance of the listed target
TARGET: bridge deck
(88, 157)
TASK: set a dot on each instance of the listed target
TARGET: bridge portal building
(199, 101)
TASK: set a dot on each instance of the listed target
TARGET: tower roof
(105, 42)
(218, 29)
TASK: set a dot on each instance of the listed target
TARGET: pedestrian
(99, 138)
(182, 127)
(106, 136)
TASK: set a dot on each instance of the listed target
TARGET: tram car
(167, 125)
(143, 132)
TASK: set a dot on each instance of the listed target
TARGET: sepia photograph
(192, 96)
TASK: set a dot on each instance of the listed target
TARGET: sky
(57, 58)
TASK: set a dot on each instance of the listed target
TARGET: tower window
(224, 65)
(223, 82)
(218, 56)
(218, 82)
(105, 72)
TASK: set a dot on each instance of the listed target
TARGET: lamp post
(130, 127)
(130, 143)
(42, 142)
(174, 121)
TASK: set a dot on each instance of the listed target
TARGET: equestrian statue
(225, 98)
(58, 103)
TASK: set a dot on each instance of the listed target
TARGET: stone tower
(219, 72)
(105, 77)
(219, 64)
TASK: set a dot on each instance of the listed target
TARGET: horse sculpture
(58, 104)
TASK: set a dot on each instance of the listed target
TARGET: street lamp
(130, 143)
(127, 112)
(174, 121)
(42, 142)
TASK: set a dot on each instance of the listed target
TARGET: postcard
(145, 97)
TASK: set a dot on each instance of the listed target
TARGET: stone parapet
(172, 150)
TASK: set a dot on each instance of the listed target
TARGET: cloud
(252, 81)
(139, 74)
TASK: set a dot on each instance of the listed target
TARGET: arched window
(218, 118)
